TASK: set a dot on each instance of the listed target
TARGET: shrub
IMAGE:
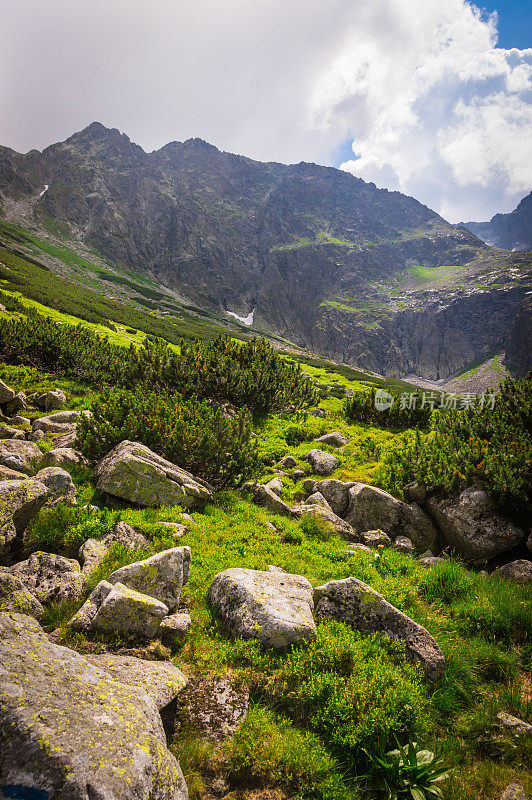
(409, 772)
(63, 529)
(191, 434)
(361, 408)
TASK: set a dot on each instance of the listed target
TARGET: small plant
(409, 772)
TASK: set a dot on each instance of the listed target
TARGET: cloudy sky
(431, 97)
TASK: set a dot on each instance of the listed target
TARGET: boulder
(370, 507)
(262, 496)
(275, 485)
(514, 725)
(356, 547)
(133, 472)
(339, 525)
(50, 577)
(51, 401)
(415, 493)
(91, 554)
(322, 463)
(63, 457)
(161, 576)
(14, 596)
(19, 502)
(8, 432)
(358, 605)
(18, 420)
(403, 545)
(6, 393)
(288, 462)
(93, 551)
(519, 571)
(67, 439)
(17, 403)
(376, 538)
(121, 611)
(333, 439)
(70, 731)
(173, 628)
(317, 499)
(336, 493)
(470, 525)
(212, 708)
(297, 474)
(7, 474)
(272, 607)
(514, 791)
(159, 679)
(61, 422)
(59, 484)
(35, 436)
(21, 456)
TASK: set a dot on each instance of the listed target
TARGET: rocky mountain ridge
(309, 253)
(512, 231)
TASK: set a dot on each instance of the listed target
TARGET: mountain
(324, 259)
(510, 231)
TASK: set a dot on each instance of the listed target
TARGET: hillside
(512, 231)
(307, 254)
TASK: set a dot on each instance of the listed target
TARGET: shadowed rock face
(324, 258)
(512, 231)
(93, 737)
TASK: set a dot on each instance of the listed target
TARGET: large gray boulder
(72, 731)
(268, 499)
(333, 439)
(9, 432)
(14, 596)
(161, 576)
(93, 551)
(22, 456)
(322, 463)
(50, 577)
(63, 457)
(116, 609)
(6, 393)
(471, 525)
(17, 403)
(59, 484)
(358, 605)
(61, 422)
(20, 501)
(338, 525)
(336, 493)
(275, 608)
(519, 571)
(159, 679)
(133, 472)
(52, 400)
(7, 474)
(370, 508)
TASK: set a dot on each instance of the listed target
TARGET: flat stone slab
(161, 576)
(73, 732)
(358, 605)
(275, 608)
(133, 472)
(159, 679)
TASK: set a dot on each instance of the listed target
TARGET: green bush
(63, 529)
(490, 447)
(361, 408)
(191, 434)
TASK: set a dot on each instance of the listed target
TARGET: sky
(429, 97)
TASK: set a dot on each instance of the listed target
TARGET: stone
(21, 456)
(322, 463)
(262, 496)
(514, 791)
(173, 628)
(288, 462)
(17, 403)
(52, 400)
(8, 432)
(338, 525)
(91, 554)
(275, 485)
(514, 725)
(161, 576)
(61, 422)
(274, 608)
(35, 436)
(317, 499)
(59, 484)
(176, 529)
(376, 538)
(67, 439)
(92, 736)
(519, 571)
(334, 439)
(159, 679)
(415, 493)
(14, 596)
(297, 474)
(212, 708)
(308, 485)
(126, 535)
(133, 472)
(431, 561)
(20, 501)
(356, 547)
(63, 457)
(18, 420)
(336, 493)
(470, 524)
(6, 393)
(116, 609)
(50, 577)
(7, 474)
(403, 545)
(370, 507)
(358, 605)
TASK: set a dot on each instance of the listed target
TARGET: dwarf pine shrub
(361, 408)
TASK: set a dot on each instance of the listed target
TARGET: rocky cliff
(511, 231)
(326, 260)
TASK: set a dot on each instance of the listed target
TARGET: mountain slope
(512, 231)
(324, 259)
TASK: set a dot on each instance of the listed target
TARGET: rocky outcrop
(470, 524)
(19, 503)
(275, 608)
(358, 605)
(161, 576)
(511, 231)
(50, 577)
(133, 472)
(93, 736)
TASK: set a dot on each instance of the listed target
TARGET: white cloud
(433, 107)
